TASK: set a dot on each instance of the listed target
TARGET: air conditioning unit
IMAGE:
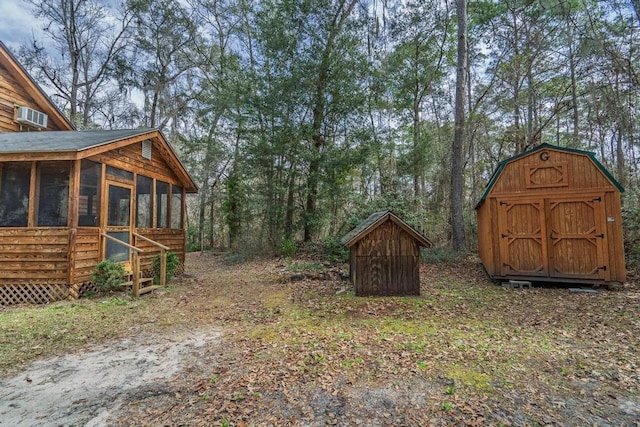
(32, 117)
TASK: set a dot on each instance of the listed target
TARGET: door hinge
(504, 235)
(503, 203)
(600, 235)
(597, 199)
(604, 268)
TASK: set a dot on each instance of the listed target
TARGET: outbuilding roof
(503, 164)
(374, 221)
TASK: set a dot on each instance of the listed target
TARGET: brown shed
(552, 214)
(384, 254)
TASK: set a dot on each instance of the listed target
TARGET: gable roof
(74, 145)
(503, 164)
(374, 221)
(33, 89)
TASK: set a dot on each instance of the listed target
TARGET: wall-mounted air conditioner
(32, 117)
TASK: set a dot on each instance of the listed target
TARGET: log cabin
(384, 256)
(552, 214)
(70, 199)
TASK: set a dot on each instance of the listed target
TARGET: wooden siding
(86, 253)
(172, 238)
(552, 215)
(386, 262)
(33, 255)
(579, 173)
(12, 94)
(130, 158)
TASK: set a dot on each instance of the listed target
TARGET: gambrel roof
(545, 146)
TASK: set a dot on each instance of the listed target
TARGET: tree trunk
(457, 172)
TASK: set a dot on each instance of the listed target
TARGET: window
(52, 194)
(89, 200)
(162, 204)
(15, 180)
(176, 206)
(120, 173)
(144, 201)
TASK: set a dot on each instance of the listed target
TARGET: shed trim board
(552, 214)
(374, 221)
(32, 88)
(502, 164)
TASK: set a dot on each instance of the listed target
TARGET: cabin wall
(130, 158)
(33, 265)
(386, 262)
(12, 94)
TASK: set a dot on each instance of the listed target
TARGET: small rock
(630, 408)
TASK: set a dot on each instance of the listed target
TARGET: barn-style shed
(70, 199)
(552, 214)
(384, 253)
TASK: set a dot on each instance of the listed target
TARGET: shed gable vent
(146, 149)
(32, 117)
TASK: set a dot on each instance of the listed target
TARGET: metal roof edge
(503, 163)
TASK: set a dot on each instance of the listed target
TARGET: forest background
(298, 118)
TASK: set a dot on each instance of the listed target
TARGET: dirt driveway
(86, 388)
(278, 342)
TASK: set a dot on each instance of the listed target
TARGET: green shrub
(334, 250)
(172, 265)
(288, 247)
(108, 275)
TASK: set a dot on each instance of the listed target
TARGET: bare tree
(88, 39)
(457, 172)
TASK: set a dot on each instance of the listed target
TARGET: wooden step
(149, 289)
(142, 281)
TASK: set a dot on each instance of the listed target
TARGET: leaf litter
(466, 352)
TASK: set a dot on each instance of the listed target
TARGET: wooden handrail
(163, 257)
(135, 261)
(125, 244)
(153, 242)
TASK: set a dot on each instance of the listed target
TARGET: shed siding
(578, 234)
(581, 172)
(386, 262)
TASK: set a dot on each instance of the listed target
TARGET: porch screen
(52, 194)
(162, 204)
(176, 206)
(89, 201)
(14, 194)
(144, 201)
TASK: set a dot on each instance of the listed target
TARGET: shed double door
(553, 237)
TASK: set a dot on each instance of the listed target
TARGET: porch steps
(146, 283)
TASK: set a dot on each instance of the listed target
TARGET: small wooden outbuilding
(384, 254)
(552, 214)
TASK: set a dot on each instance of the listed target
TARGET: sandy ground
(86, 388)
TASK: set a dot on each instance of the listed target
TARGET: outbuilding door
(554, 237)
